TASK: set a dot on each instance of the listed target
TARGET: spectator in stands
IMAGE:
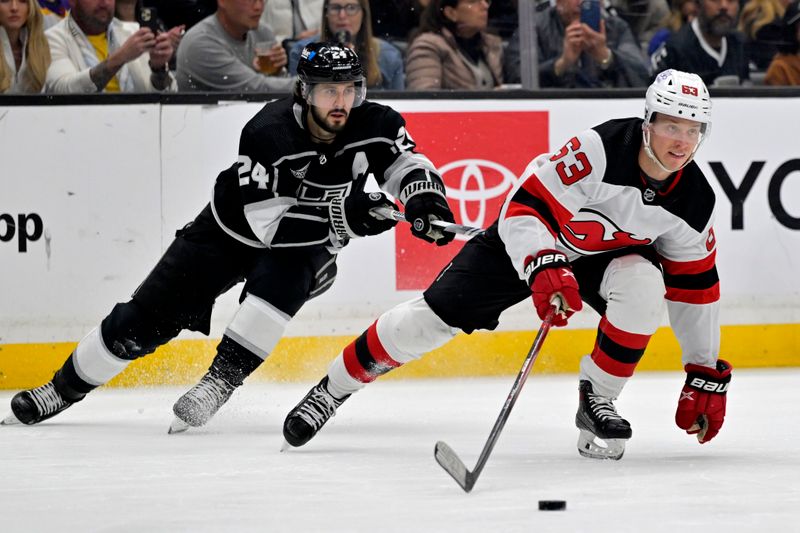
(219, 52)
(24, 53)
(293, 19)
(785, 67)
(682, 12)
(94, 52)
(572, 55)
(761, 24)
(53, 11)
(350, 22)
(644, 17)
(453, 50)
(709, 46)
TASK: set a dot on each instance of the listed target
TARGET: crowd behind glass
(87, 46)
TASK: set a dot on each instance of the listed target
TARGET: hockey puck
(552, 505)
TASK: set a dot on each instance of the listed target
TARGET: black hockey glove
(351, 216)
(425, 201)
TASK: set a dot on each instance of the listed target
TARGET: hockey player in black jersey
(620, 217)
(276, 220)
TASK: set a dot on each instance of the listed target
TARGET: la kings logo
(649, 195)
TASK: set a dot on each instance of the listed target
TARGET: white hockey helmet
(678, 94)
(681, 95)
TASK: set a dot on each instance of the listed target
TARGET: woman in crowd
(452, 49)
(760, 21)
(349, 22)
(785, 67)
(25, 54)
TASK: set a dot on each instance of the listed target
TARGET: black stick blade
(454, 466)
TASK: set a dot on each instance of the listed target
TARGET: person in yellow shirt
(94, 52)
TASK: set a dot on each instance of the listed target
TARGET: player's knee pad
(257, 326)
(130, 331)
(634, 289)
(412, 329)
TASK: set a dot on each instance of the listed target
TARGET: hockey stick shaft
(445, 455)
(450, 227)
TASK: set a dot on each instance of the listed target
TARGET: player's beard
(323, 123)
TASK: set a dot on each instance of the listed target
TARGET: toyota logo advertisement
(479, 164)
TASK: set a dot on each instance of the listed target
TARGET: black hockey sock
(233, 362)
(69, 384)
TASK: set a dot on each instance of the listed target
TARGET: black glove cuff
(545, 260)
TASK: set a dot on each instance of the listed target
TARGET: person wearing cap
(619, 217)
(785, 66)
(278, 218)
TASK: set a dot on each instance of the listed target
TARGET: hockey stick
(445, 455)
(458, 229)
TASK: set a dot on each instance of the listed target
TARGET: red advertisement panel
(480, 156)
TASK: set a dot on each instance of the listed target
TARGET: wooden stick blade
(449, 460)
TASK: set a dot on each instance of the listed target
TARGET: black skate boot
(35, 405)
(597, 418)
(308, 416)
(200, 403)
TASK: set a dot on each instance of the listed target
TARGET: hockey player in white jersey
(621, 218)
(277, 220)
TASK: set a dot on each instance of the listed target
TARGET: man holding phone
(94, 52)
(580, 46)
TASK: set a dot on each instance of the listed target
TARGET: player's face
(673, 140)
(13, 14)
(331, 104)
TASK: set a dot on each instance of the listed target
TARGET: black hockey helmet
(330, 62)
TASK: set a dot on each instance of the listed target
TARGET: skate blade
(177, 426)
(286, 446)
(10, 420)
(591, 446)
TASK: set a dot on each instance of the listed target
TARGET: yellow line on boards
(480, 354)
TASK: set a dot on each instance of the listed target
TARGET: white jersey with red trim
(590, 197)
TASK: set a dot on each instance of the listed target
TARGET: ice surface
(107, 464)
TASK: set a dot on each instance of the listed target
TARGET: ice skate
(597, 418)
(200, 403)
(308, 416)
(35, 405)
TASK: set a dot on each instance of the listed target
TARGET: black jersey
(278, 192)
(590, 198)
(689, 52)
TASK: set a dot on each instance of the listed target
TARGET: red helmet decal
(688, 89)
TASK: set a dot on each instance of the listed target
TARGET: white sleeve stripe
(405, 163)
(265, 216)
